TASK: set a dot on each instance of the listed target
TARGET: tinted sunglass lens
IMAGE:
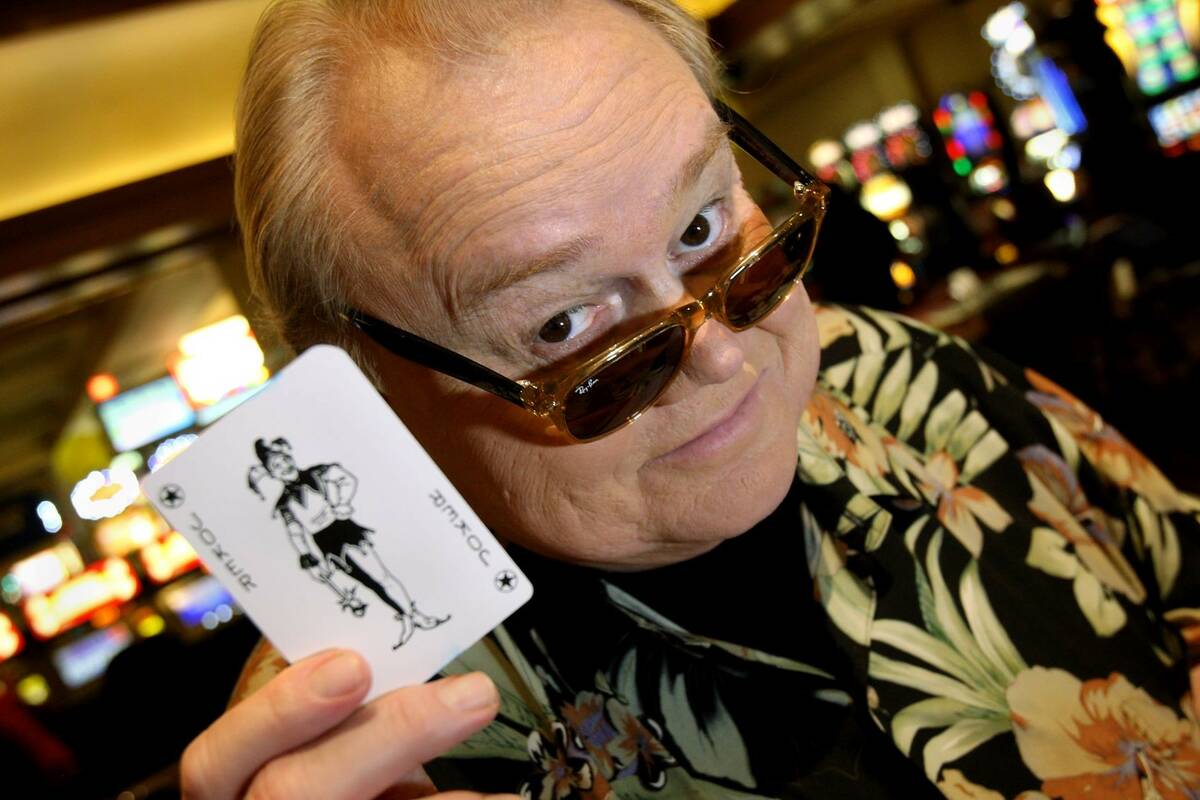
(616, 392)
(758, 289)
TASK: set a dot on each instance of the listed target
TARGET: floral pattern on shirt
(1102, 738)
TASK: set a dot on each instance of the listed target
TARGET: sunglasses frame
(547, 399)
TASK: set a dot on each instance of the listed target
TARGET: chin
(762, 488)
(748, 491)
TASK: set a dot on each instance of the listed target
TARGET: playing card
(332, 527)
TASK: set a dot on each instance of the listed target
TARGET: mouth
(730, 429)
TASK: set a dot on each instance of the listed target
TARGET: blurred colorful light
(43, 571)
(903, 275)
(1004, 209)
(104, 493)
(219, 360)
(989, 177)
(131, 460)
(50, 518)
(104, 583)
(168, 449)
(825, 153)
(33, 689)
(136, 528)
(1006, 253)
(101, 387)
(11, 641)
(886, 196)
(150, 625)
(169, 558)
(1061, 183)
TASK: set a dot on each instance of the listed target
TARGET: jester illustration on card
(315, 506)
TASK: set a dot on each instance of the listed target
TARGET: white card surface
(328, 522)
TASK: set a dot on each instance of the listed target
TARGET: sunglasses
(611, 389)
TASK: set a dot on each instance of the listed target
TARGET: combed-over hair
(299, 256)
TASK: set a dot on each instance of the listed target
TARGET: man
(916, 571)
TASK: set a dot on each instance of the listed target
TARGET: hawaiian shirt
(974, 588)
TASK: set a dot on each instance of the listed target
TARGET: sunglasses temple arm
(750, 139)
(424, 352)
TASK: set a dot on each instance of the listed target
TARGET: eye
(704, 229)
(567, 324)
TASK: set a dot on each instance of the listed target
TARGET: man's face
(567, 190)
(282, 467)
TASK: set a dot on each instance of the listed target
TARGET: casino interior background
(1023, 175)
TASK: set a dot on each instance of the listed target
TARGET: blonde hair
(299, 255)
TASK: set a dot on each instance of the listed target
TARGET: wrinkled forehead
(485, 160)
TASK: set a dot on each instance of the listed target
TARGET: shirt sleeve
(1117, 495)
(1163, 522)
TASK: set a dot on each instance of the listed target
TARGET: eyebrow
(715, 135)
(570, 251)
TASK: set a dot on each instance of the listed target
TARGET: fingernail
(468, 692)
(338, 677)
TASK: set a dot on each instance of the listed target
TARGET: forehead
(573, 124)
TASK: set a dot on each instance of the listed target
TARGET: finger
(383, 741)
(296, 706)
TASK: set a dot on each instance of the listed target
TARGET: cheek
(526, 486)
(794, 328)
(575, 503)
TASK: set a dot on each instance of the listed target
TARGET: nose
(716, 356)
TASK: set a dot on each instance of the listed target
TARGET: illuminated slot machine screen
(904, 144)
(130, 530)
(216, 366)
(168, 558)
(1176, 123)
(45, 570)
(1156, 40)
(198, 605)
(105, 584)
(145, 414)
(85, 659)
(973, 143)
(829, 161)
(864, 143)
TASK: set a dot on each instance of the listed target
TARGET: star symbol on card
(171, 495)
(506, 580)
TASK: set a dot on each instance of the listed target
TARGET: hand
(318, 569)
(303, 735)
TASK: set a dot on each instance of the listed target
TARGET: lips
(732, 425)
